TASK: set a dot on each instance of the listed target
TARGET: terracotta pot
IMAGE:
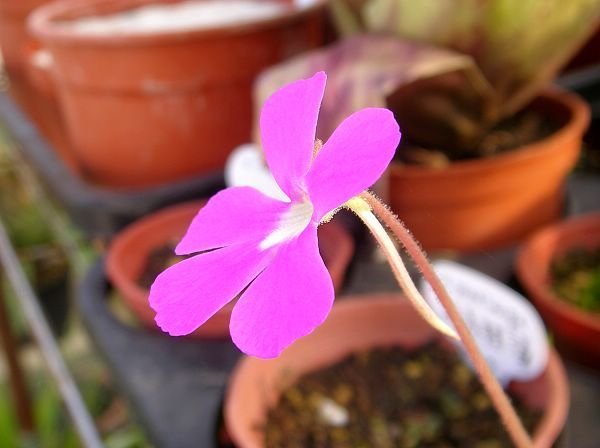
(353, 326)
(576, 332)
(146, 109)
(129, 251)
(13, 32)
(489, 203)
(17, 45)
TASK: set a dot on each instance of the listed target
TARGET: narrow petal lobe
(354, 157)
(232, 216)
(187, 294)
(288, 123)
(287, 301)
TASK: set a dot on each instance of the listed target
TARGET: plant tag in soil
(246, 167)
(508, 329)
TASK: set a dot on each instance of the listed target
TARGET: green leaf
(519, 45)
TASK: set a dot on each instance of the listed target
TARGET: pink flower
(266, 249)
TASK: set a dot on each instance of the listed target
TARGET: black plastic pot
(175, 385)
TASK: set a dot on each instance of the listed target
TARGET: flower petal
(287, 301)
(187, 294)
(288, 123)
(354, 157)
(232, 216)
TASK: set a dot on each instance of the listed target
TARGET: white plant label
(507, 328)
(245, 167)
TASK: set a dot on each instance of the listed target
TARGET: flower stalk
(360, 207)
(370, 211)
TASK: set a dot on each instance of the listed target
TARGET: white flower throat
(291, 224)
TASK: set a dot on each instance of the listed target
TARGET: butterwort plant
(265, 253)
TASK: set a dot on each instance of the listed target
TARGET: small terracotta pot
(129, 251)
(358, 325)
(576, 332)
(146, 109)
(494, 202)
(13, 32)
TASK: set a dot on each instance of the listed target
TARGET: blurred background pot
(354, 326)
(148, 108)
(13, 32)
(17, 45)
(131, 249)
(492, 202)
(576, 331)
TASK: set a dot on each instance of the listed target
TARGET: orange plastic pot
(13, 32)
(494, 202)
(358, 325)
(576, 332)
(129, 251)
(146, 109)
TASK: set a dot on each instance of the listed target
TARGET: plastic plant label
(245, 167)
(507, 328)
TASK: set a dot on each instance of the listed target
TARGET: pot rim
(123, 241)
(19, 10)
(532, 273)
(42, 24)
(547, 430)
(579, 117)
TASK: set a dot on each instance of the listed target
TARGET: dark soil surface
(576, 278)
(515, 132)
(390, 398)
(158, 260)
